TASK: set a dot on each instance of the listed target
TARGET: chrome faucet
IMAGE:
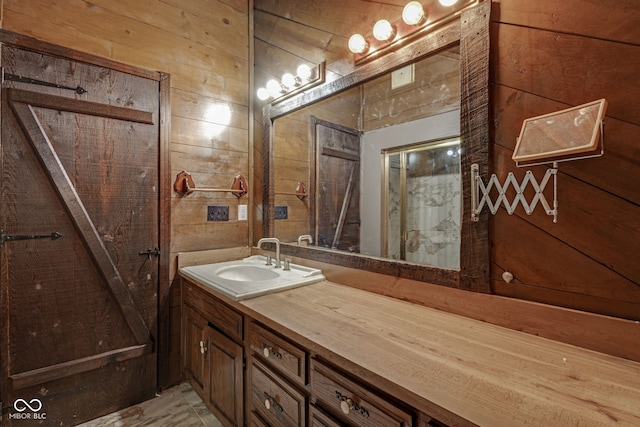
(306, 237)
(272, 240)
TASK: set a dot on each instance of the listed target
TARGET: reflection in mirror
(423, 203)
(305, 149)
(336, 145)
(384, 111)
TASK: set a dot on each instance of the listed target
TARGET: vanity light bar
(290, 85)
(412, 24)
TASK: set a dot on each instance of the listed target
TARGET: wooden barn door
(337, 186)
(79, 213)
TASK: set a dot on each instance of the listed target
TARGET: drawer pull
(267, 350)
(347, 404)
(270, 402)
(203, 346)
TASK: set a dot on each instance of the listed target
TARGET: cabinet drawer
(215, 311)
(278, 352)
(256, 421)
(350, 401)
(320, 419)
(274, 400)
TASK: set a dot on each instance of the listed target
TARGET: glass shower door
(423, 204)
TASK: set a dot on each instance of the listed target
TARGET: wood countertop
(487, 374)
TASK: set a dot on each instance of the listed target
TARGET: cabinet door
(194, 348)
(225, 389)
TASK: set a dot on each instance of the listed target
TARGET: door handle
(149, 252)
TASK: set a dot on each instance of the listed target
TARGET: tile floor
(178, 406)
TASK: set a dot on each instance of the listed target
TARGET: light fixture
(290, 81)
(453, 153)
(357, 44)
(304, 72)
(413, 13)
(383, 30)
(290, 84)
(274, 88)
(263, 94)
(416, 20)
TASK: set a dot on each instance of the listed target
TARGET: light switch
(242, 212)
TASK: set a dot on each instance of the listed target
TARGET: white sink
(246, 273)
(251, 277)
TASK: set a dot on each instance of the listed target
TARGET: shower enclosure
(422, 203)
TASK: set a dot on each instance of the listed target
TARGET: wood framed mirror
(468, 35)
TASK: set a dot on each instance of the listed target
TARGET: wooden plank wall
(545, 56)
(204, 46)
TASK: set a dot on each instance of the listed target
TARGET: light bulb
(448, 2)
(413, 13)
(357, 44)
(263, 94)
(289, 80)
(274, 88)
(383, 30)
(304, 72)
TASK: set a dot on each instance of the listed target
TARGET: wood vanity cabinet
(278, 378)
(320, 419)
(353, 403)
(285, 384)
(194, 330)
(213, 354)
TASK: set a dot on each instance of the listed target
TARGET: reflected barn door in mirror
(337, 172)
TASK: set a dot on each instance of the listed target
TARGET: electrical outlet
(217, 213)
(281, 212)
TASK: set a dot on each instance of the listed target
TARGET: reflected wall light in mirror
(290, 85)
(570, 134)
(416, 20)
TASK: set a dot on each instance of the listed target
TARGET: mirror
(347, 123)
(562, 135)
(422, 203)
